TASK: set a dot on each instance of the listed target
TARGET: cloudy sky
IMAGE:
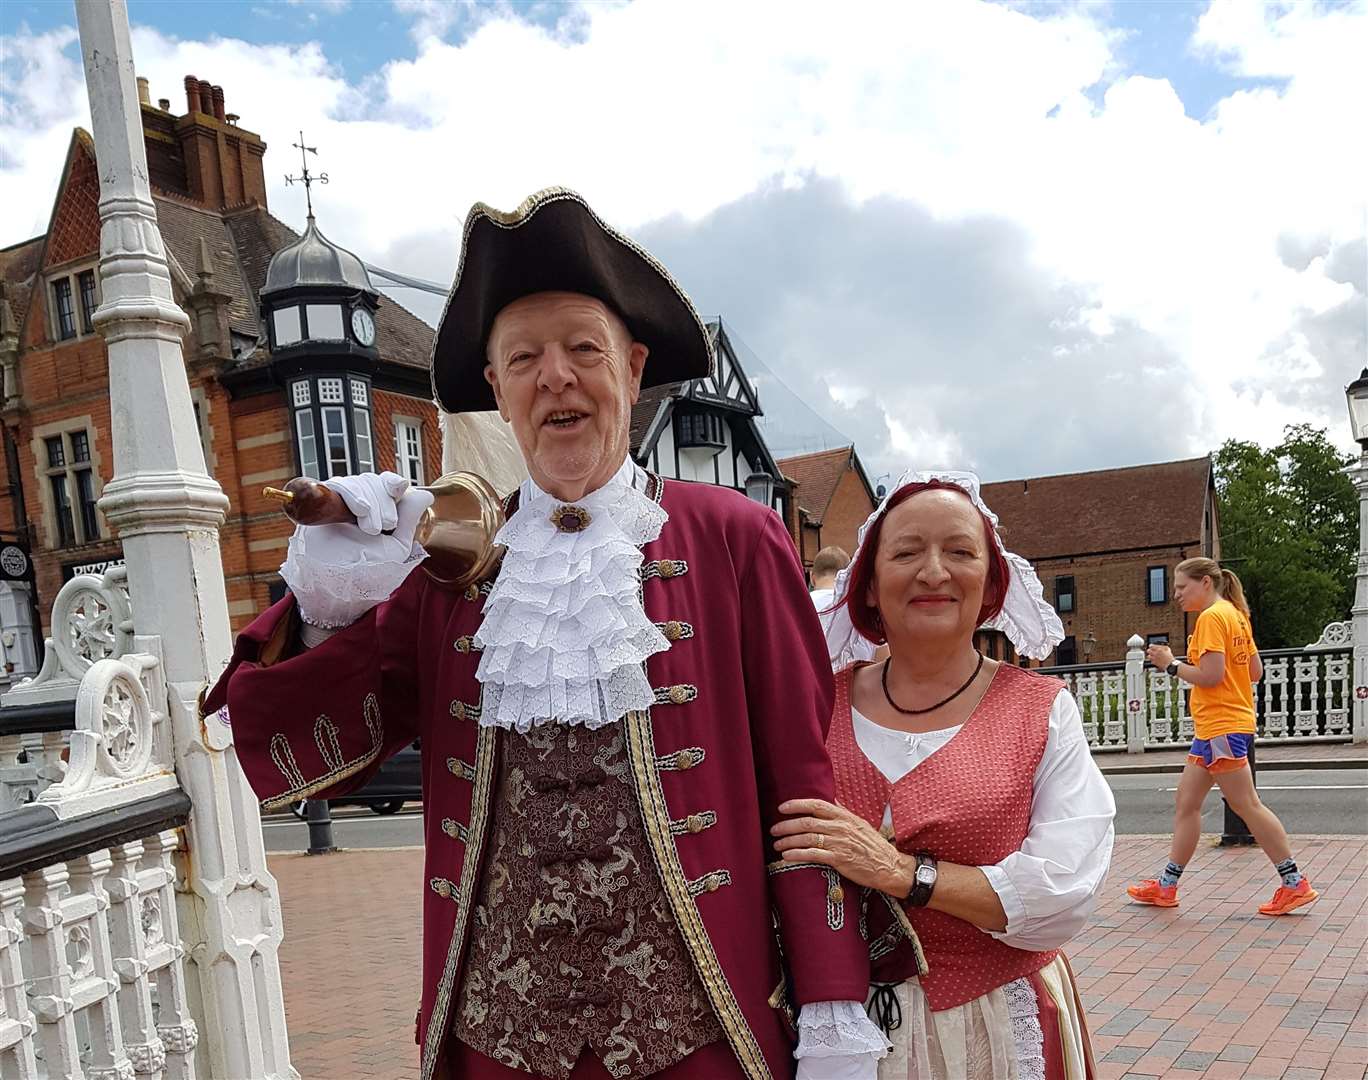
(1023, 238)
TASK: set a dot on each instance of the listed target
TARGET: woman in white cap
(979, 774)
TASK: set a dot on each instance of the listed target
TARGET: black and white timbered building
(704, 430)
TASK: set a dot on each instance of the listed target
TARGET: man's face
(565, 373)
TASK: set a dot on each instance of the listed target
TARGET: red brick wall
(850, 507)
(1110, 597)
(387, 406)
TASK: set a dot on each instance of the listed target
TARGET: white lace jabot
(565, 635)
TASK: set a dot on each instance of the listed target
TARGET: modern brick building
(832, 497)
(320, 375)
(1105, 544)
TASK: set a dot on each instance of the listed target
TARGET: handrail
(41, 717)
(33, 836)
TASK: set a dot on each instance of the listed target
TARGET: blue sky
(361, 36)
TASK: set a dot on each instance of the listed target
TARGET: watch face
(363, 326)
(926, 875)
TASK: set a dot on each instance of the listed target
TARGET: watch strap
(1172, 669)
(920, 895)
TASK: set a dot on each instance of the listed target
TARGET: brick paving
(1209, 989)
(1213, 989)
(352, 961)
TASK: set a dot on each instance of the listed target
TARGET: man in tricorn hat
(608, 726)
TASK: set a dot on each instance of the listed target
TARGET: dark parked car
(399, 780)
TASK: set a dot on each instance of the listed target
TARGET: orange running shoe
(1285, 899)
(1151, 892)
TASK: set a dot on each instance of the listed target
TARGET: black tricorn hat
(554, 242)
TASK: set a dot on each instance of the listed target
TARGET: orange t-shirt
(1228, 707)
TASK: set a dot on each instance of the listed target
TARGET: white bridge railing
(1305, 695)
(92, 966)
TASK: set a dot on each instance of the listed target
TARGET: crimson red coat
(743, 701)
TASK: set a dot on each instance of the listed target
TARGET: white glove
(339, 572)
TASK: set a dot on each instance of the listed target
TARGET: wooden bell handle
(307, 502)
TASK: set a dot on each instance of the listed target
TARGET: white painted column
(167, 512)
(1137, 696)
(1359, 616)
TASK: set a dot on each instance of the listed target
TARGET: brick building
(309, 372)
(832, 497)
(1105, 544)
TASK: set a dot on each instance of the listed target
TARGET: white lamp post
(1357, 393)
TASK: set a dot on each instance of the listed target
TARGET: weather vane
(305, 177)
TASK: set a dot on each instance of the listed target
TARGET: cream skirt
(1007, 1034)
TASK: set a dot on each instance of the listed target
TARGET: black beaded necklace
(920, 712)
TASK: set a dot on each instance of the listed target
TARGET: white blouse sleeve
(1048, 887)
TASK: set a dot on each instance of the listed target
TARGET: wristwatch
(923, 880)
(1172, 669)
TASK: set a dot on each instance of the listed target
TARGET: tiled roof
(817, 476)
(644, 411)
(182, 226)
(18, 267)
(1145, 506)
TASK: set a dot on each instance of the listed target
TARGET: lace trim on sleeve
(838, 1029)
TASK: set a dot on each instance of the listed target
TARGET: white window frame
(404, 461)
(364, 439)
(341, 398)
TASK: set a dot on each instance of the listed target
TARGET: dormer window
(332, 425)
(699, 430)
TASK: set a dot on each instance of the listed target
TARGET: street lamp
(760, 487)
(1357, 394)
(1089, 644)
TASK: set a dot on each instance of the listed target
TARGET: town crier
(608, 724)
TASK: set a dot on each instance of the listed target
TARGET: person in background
(1222, 665)
(830, 561)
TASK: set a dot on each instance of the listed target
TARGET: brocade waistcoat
(572, 941)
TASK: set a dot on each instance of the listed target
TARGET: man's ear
(636, 365)
(493, 380)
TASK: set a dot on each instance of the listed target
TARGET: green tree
(1289, 528)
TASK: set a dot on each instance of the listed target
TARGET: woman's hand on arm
(824, 833)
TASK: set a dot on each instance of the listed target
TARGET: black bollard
(319, 818)
(1235, 831)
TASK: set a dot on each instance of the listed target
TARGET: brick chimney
(201, 155)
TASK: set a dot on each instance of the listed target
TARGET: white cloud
(1165, 224)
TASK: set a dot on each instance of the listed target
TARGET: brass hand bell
(457, 530)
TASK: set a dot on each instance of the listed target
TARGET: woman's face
(931, 568)
(1192, 594)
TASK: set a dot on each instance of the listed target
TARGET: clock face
(363, 326)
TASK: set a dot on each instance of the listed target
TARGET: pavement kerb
(1277, 764)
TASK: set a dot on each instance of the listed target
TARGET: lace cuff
(336, 583)
(838, 1029)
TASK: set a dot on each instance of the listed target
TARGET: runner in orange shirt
(1222, 665)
